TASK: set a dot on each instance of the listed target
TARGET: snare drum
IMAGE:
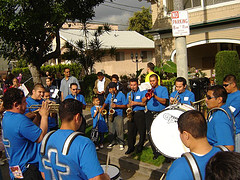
(113, 171)
(164, 131)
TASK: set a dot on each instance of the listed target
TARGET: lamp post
(136, 59)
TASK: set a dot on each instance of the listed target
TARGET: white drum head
(165, 135)
(112, 171)
(185, 107)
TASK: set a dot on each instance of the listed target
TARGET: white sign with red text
(180, 24)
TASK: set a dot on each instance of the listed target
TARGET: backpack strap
(44, 142)
(223, 148)
(193, 165)
(69, 141)
(221, 109)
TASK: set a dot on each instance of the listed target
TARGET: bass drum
(164, 131)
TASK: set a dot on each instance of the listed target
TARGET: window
(211, 2)
(147, 56)
(120, 56)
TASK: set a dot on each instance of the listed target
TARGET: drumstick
(106, 168)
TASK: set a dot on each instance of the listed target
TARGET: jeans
(116, 130)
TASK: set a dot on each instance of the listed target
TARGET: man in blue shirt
(21, 135)
(80, 160)
(233, 102)
(117, 102)
(136, 121)
(220, 123)
(35, 99)
(156, 101)
(80, 98)
(193, 131)
(181, 94)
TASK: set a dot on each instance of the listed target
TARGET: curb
(125, 162)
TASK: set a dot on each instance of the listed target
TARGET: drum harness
(190, 158)
(66, 145)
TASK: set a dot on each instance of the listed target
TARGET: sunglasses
(74, 89)
(225, 85)
(209, 97)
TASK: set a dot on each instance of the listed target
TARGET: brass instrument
(111, 110)
(148, 95)
(129, 110)
(176, 98)
(54, 108)
(196, 102)
(104, 112)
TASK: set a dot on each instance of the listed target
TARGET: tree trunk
(35, 73)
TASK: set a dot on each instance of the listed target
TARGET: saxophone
(129, 110)
(111, 110)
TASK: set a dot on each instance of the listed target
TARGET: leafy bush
(87, 86)
(227, 62)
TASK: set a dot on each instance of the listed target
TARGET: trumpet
(176, 98)
(129, 110)
(111, 110)
(196, 102)
(54, 108)
(148, 95)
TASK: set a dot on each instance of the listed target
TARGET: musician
(52, 118)
(100, 87)
(233, 102)
(155, 104)
(35, 99)
(117, 101)
(193, 133)
(181, 94)
(52, 89)
(137, 123)
(80, 98)
(115, 78)
(21, 135)
(65, 83)
(220, 125)
(150, 71)
(80, 162)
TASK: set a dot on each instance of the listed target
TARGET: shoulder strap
(44, 142)
(209, 113)
(223, 148)
(69, 141)
(193, 165)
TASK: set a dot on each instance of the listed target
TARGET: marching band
(146, 111)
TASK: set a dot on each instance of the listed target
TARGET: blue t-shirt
(120, 99)
(233, 101)
(137, 96)
(102, 126)
(180, 168)
(81, 162)
(153, 104)
(19, 136)
(184, 97)
(79, 98)
(220, 128)
(30, 101)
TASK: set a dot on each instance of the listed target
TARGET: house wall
(111, 66)
(165, 43)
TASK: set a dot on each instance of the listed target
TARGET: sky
(118, 11)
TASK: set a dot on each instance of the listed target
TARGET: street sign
(180, 24)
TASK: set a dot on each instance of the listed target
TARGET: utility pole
(181, 48)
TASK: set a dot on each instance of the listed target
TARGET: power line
(108, 23)
(124, 5)
(118, 8)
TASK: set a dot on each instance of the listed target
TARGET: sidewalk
(123, 161)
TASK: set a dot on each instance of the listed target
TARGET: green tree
(28, 27)
(87, 52)
(141, 21)
(227, 62)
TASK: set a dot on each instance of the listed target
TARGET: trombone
(196, 102)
